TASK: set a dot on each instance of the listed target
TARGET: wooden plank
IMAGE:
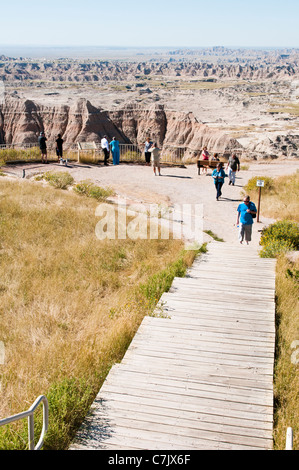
(212, 406)
(166, 326)
(201, 310)
(195, 420)
(252, 335)
(124, 372)
(179, 427)
(218, 303)
(159, 341)
(203, 351)
(159, 383)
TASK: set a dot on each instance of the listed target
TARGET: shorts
(43, 151)
(156, 163)
(59, 152)
(147, 157)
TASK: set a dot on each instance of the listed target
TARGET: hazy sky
(191, 23)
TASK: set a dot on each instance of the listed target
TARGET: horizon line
(59, 46)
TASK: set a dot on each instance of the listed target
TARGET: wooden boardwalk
(201, 378)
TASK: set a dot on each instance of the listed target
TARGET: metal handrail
(30, 415)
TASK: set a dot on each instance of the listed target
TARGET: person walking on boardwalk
(147, 154)
(155, 151)
(42, 141)
(218, 176)
(246, 214)
(114, 144)
(105, 147)
(59, 143)
(233, 165)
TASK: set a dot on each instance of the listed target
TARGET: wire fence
(129, 153)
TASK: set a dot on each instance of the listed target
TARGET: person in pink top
(205, 156)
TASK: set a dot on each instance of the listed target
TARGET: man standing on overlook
(106, 149)
(43, 147)
(233, 165)
(246, 213)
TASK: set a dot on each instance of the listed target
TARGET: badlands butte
(227, 99)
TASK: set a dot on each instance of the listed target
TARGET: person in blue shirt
(246, 212)
(218, 175)
(114, 144)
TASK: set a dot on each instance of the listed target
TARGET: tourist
(205, 156)
(218, 175)
(114, 144)
(215, 157)
(246, 214)
(105, 147)
(43, 147)
(155, 151)
(147, 154)
(233, 165)
(59, 151)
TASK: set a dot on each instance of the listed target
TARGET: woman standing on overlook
(114, 144)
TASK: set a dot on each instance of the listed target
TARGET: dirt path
(137, 183)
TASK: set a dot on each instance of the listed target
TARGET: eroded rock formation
(21, 121)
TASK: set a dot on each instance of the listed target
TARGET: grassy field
(280, 200)
(69, 303)
(280, 197)
(289, 108)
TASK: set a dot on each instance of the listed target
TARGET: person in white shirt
(105, 147)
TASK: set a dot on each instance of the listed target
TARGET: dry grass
(286, 377)
(69, 303)
(282, 200)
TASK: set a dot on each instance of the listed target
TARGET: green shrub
(283, 230)
(87, 188)
(60, 180)
(162, 281)
(251, 184)
(275, 248)
(69, 402)
(11, 154)
(278, 238)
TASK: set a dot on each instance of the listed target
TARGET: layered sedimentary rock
(21, 122)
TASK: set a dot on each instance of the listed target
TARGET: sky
(154, 23)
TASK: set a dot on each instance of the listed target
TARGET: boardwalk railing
(30, 415)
